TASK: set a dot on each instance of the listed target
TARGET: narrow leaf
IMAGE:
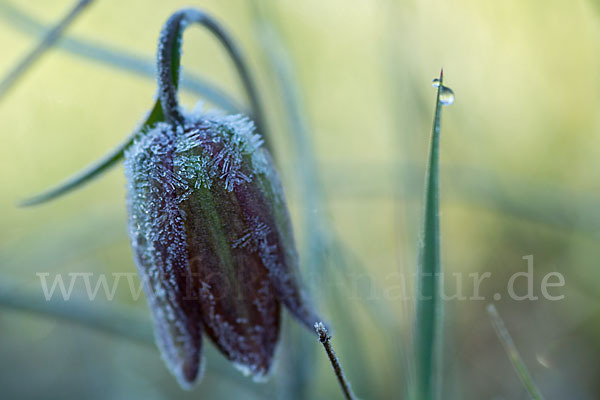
(156, 115)
(98, 167)
(44, 44)
(513, 353)
(324, 255)
(429, 313)
(116, 58)
(120, 320)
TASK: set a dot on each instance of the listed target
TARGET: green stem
(169, 55)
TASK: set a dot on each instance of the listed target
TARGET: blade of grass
(513, 353)
(157, 114)
(44, 44)
(300, 355)
(429, 314)
(124, 322)
(97, 168)
(324, 255)
(120, 321)
(546, 204)
(120, 59)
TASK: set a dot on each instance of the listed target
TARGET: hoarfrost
(164, 167)
(156, 230)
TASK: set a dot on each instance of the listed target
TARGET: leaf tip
(28, 202)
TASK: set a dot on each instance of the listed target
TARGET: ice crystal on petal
(156, 230)
(213, 241)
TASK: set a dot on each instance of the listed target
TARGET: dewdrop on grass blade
(446, 94)
(429, 310)
(208, 224)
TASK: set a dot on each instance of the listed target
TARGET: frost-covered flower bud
(213, 242)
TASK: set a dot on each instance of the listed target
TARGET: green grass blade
(44, 44)
(506, 195)
(513, 353)
(97, 168)
(76, 181)
(300, 355)
(80, 178)
(121, 321)
(120, 59)
(323, 255)
(429, 314)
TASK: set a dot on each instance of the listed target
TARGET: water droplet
(446, 96)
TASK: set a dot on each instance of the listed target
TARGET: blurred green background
(520, 151)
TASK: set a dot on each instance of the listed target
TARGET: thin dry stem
(325, 338)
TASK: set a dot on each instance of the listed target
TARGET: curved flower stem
(112, 56)
(325, 338)
(168, 59)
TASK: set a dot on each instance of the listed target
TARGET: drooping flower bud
(208, 222)
(213, 242)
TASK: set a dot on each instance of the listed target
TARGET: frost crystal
(156, 230)
(213, 242)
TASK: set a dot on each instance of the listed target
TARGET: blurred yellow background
(520, 176)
